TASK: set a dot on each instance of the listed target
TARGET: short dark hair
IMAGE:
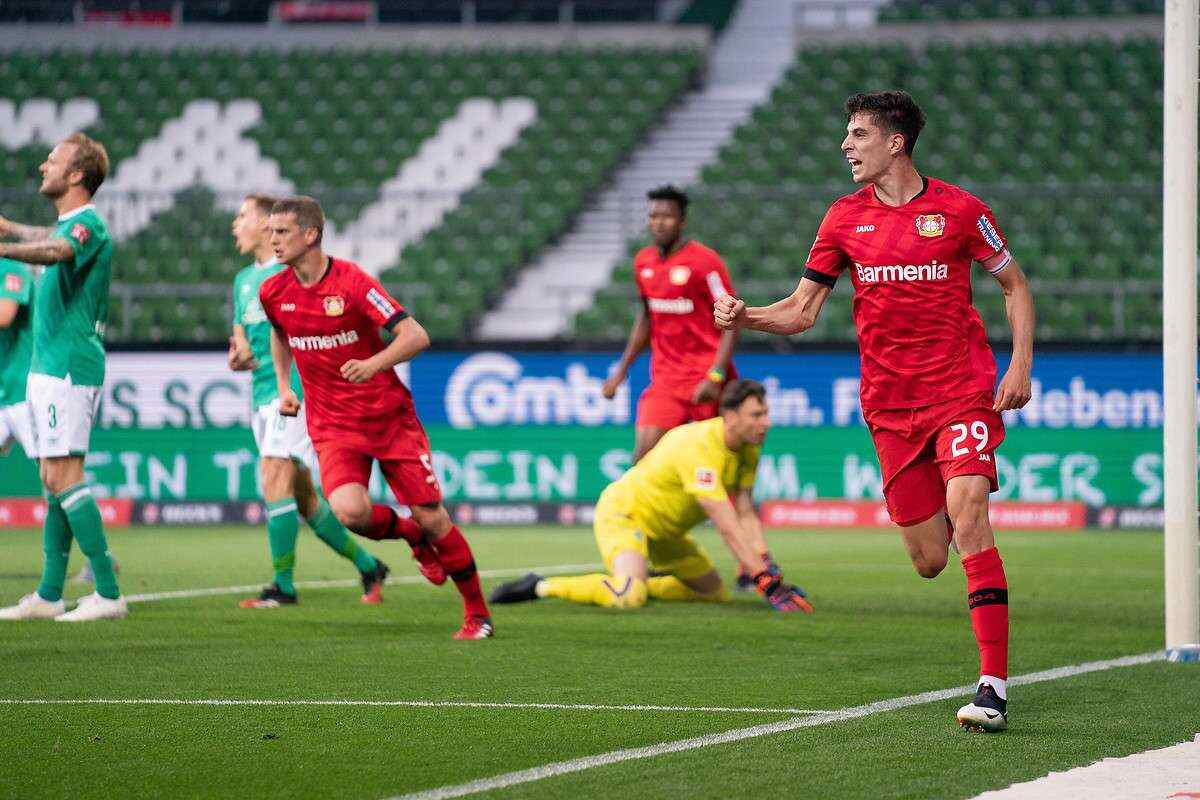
(895, 112)
(672, 193)
(90, 158)
(737, 392)
(307, 210)
(263, 203)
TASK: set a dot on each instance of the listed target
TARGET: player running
(644, 518)
(285, 450)
(690, 359)
(327, 313)
(927, 370)
(16, 346)
(66, 373)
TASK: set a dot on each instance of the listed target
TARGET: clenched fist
(729, 312)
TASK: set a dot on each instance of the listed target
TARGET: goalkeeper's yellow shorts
(617, 529)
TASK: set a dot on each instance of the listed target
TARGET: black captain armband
(819, 277)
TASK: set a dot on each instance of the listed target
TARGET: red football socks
(455, 555)
(387, 524)
(987, 599)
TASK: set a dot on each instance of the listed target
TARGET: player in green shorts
(66, 373)
(284, 447)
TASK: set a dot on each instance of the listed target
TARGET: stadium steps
(564, 279)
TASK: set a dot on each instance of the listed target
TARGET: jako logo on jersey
(864, 229)
(662, 305)
(287, 306)
(931, 224)
(339, 339)
(334, 306)
(647, 273)
(901, 272)
(990, 234)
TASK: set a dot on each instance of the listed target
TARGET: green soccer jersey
(16, 341)
(71, 305)
(248, 312)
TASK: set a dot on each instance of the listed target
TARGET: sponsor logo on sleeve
(80, 233)
(381, 303)
(706, 479)
(12, 283)
(989, 233)
(679, 275)
(930, 225)
(716, 286)
(335, 306)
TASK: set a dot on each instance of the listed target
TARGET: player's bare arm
(240, 357)
(281, 355)
(639, 338)
(26, 233)
(1015, 387)
(782, 596)
(50, 250)
(8, 312)
(743, 502)
(709, 389)
(791, 315)
(410, 340)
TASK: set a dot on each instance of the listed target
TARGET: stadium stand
(1021, 127)
(942, 10)
(342, 125)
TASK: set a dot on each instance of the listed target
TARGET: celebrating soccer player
(283, 444)
(67, 372)
(928, 373)
(644, 518)
(327, 314)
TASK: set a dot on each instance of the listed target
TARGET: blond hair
(90, 158)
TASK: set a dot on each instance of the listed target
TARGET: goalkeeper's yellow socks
(329, 530)
(83, 517)
(597, 589)
(56, 544)
(283, 525)
(668, 587)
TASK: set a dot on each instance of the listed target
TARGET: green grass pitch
(879, 632)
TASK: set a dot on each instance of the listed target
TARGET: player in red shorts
(927, 370)
(690, 360)
(327, 313)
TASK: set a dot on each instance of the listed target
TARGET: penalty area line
(402, 704)
(183, 594)
(841, 715)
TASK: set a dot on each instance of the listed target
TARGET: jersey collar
(80, 210)
(913, 199)
(270, 262)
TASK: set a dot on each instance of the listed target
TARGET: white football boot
(987, 713)
(93, 606)
(32, 606)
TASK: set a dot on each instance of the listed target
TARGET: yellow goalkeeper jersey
(690, 462)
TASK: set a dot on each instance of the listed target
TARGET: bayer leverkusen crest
(931, 224)
(335, 306)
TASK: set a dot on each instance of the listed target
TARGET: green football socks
(283, 524)
(56, 542)
(83, 517)
(330, 531)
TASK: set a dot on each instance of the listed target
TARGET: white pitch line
(182, 594)
(841, 715)
(401, 704)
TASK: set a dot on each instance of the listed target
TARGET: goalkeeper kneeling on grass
(702, 469)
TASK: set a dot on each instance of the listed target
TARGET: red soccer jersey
(679, 292)
(920, 339)
(337, 319)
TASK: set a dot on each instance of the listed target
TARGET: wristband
(716, 375)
